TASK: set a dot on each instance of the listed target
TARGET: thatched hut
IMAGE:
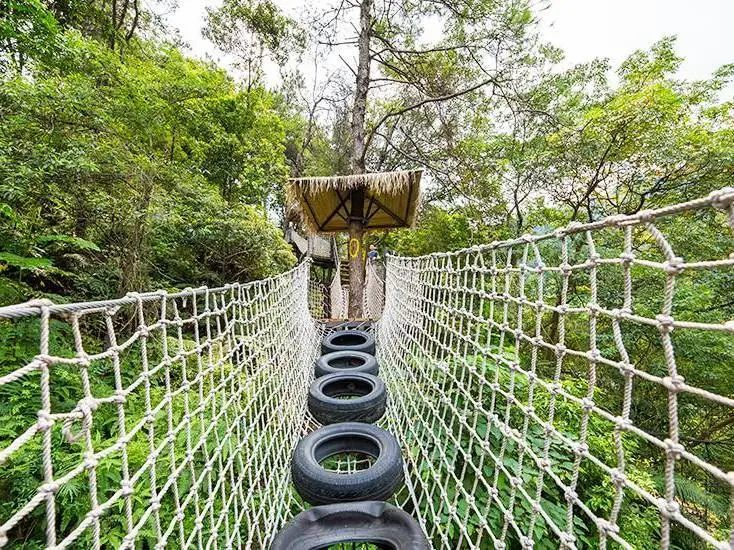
(355, 204)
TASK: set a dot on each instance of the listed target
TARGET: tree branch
(426, 101)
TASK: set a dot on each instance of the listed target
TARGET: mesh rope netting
(167, 419)
(373, 299)
(317, 298)
(338, 296)
(175, 432)
(512, 367)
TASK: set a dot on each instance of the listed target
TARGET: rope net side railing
(373, 300)
(547, 392)
(318, 299)
(157, 420)
(338, 295)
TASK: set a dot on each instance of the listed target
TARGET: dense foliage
(126, 165)
(119, 173)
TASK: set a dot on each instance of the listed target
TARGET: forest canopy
(126, 164)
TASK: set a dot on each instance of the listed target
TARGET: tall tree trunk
(133, 261)
(356, 255)
(359, 109)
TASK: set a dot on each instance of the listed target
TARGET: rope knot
(83, 411)
(673, 450)
(50, 488)
(645, 215)
(618, 478)
(669, 509)
(627, 257)
(45, 421)
(120, 397)
(581, 449)
(722, 198)
(127, 488)
(673, 266)
(665, 322)
(674, 384)
(607, 527)
(624, 424)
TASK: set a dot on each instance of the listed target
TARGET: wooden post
(356, 254)
(357, 161)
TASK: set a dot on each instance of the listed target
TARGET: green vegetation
(123, 172)
(127, 165)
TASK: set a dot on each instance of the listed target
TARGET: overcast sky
(584, 29)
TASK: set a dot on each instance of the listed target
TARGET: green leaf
(75, 242)
(23, 262)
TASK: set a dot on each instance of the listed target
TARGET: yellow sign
(354, 246)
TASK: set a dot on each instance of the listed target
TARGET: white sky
(584, 29)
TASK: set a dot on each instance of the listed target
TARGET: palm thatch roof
(323, 204)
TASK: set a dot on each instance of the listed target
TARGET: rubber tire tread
(373, 521)
(331, 410)
(322, 366)
(317, 485)
(368, 346)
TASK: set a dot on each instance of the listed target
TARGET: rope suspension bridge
(169, 419)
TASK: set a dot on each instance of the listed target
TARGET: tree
(410, 78)
(101, 154)
(253, 31)
(27, 30)
(599, 150)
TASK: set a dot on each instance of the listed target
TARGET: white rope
(373, 297)
(203, 395)
(222, 376)
(338, 296)
(317, 294)
(477, 381)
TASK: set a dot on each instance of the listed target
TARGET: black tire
(348, 340)
(375, 522)
(346, 362)
(367, 405)
(318, 485)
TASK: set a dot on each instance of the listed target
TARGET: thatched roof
(323, 204)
